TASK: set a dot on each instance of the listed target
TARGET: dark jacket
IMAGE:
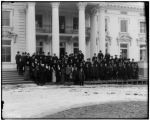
(81, 76)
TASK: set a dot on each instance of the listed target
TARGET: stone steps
(12, 77)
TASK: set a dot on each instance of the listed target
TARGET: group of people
(43, 68)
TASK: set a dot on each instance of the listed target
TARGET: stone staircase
(12, 77)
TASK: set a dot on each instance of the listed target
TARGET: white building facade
(118, 28)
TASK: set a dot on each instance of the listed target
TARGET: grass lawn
(133, 109)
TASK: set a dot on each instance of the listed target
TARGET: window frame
(107, 47)
(126, 25)
(106, 24)
(38, 46)
(39, 14)
(75, 47)
(143, 28)
(139, 21)
(140, 50)
(11, 20)
(11, 54)
(73, 22)
(124, 48)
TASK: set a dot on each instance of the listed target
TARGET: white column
(93, 33)
(82, 40)
(55, 28)
(30, 29)
(101, 26)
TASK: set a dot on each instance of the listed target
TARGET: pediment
(124, 38)
(141, 40)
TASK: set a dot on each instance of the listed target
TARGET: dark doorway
(75, 23)
(62, 48)
(62, 51)
(39, 21)
(62, 24)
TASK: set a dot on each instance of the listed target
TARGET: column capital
(55, 4)
(81, 5)
(94, 11)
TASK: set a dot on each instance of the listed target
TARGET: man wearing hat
(80, 56)
(18, 56)
(94, 58)
(100, 55)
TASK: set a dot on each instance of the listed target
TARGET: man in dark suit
(94, 58)
(18, 56)
(80, 56)
(75, 75)
(81, 76)
(100, 56)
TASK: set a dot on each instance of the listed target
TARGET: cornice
(107, 5)
(9, 5)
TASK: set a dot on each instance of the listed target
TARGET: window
(39, 21)
(75, 47)
(123, 25)
(75, 23)
(39, 47)
(142, 27)
(106, 24)
(106, 48)
(62, 48)
(5, 18)
(123, 12)
(62, 44)
(142, 52)
(142, 14)
(62, 24)
(124, 50)
(6, 50)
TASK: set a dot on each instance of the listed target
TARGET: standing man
(80, 56)
(100, 56)
(81, 76)
(94, 58)
(23, 59)
(75, 75)
(27, 68)
(18, 56)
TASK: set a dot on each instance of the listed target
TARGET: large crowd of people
(43, 68)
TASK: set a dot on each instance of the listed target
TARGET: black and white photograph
(74, 60)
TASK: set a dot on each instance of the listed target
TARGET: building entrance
(62, 48)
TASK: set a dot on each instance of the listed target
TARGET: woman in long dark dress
(92, 74)
(42, 73)
(62, 74)
(27, 69)
(81, 76)
(75, 75)
(20, 67)
(58, 74)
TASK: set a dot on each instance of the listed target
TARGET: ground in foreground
(133, 109)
